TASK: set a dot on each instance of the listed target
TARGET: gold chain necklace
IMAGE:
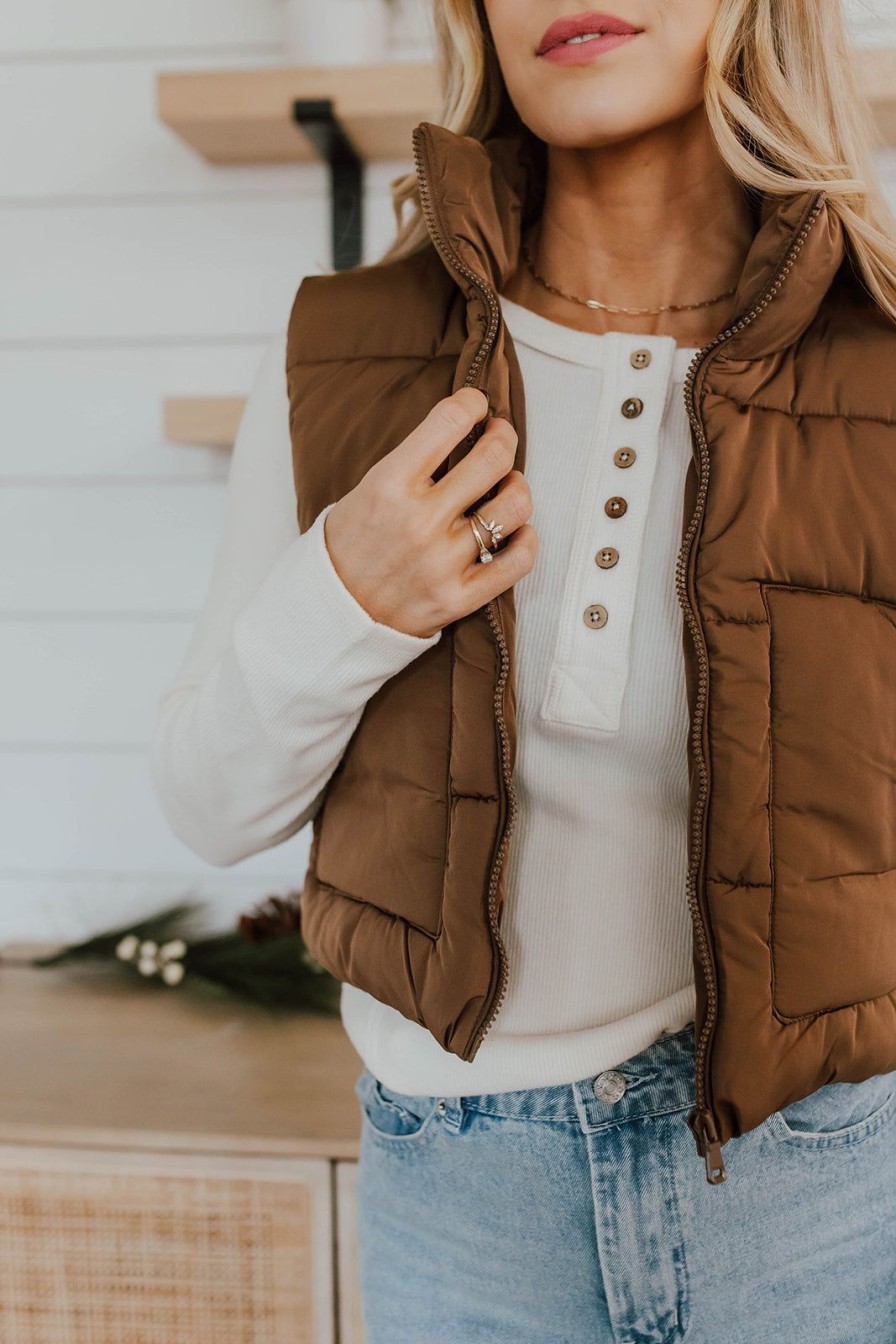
(615, 308)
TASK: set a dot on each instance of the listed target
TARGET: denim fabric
(550, 1216)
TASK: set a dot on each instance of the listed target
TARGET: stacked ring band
(494, 530)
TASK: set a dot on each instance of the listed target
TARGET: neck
(652, 220)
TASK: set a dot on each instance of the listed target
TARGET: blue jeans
(555, 1215)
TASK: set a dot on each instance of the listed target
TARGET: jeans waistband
(658, 1079)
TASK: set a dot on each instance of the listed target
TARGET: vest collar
(475, 195)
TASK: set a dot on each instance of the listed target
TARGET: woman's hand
(399, 540)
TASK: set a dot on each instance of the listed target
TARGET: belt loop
(451, 1111)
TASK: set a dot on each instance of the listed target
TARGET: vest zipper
(496, 997)
(702, 1119)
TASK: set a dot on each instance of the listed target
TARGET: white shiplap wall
(132, 270)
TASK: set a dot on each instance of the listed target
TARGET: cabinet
(172, 1169)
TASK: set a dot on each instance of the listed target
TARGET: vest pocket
(832, 798)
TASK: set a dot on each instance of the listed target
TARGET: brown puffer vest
(787, 583)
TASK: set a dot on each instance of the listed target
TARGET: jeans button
(610, 1085)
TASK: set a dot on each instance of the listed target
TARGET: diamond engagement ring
(484, 555)
(494, 530)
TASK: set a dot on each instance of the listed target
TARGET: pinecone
(273, 918)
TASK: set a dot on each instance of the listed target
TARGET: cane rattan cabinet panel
(116, 1248)
(351, 1326)
(172, 1171)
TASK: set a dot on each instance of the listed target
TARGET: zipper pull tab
(702, 1126)
(715, 1163)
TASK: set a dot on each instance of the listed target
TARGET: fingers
(489, 460)
(481, 583)
(510, 508)
(427, 572)
(445, 426)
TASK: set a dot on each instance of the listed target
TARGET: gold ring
(493, 528)
(484, 554)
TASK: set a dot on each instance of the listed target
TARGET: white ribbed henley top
(283, 659)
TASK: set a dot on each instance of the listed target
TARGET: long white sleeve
(281, 663)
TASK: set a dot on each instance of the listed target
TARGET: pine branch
(264, 960)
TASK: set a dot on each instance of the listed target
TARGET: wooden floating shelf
(245, 116)
(209, 421)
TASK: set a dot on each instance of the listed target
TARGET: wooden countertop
(90, 1058)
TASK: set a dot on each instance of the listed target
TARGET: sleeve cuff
(306, 648)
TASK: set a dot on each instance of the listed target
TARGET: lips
(578, 25)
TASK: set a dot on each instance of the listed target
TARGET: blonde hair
(782, 100)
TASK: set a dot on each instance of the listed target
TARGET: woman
(663, 227)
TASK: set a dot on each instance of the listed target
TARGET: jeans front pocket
(390, 1116)
(837, 1114)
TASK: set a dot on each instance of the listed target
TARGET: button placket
(587, 680)
(595, 615)
(640, 415)
(631, 408)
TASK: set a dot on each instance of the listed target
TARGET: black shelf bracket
(326, 133)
